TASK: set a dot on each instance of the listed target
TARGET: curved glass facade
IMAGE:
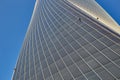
(62, 43)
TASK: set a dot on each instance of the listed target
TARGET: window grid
(62, 45)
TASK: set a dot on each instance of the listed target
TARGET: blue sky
(112, 7)
(14, 20)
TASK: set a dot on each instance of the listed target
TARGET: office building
(70, 40)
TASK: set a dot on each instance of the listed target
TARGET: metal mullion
(90, 54)
(22, 67)
(96, 39)
(101, 43)
(38, 32)
(25, 60)
(43, 53)
(22, 54)
(33, 54)
(53, 59)
(45, 42)
(29, 56)
(112, 62)
(59, 42)
(17, 66)
(69, 55)
(96, 29)
(83, 58)
(62, 60)
(100, 33)
(87, 51)
(52, 55)
(38, 52)
(108, 48)
(18, 76)
(78, 67)
(89, 20)
(93, 56)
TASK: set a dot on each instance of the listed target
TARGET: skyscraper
(69, 40)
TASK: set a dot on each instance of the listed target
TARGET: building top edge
(93, 9)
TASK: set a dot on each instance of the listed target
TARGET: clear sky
(112, 7)
(14, 20)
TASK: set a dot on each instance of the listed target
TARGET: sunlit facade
(65, 42)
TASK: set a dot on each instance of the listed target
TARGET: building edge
(113, 24)
(26, 34)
